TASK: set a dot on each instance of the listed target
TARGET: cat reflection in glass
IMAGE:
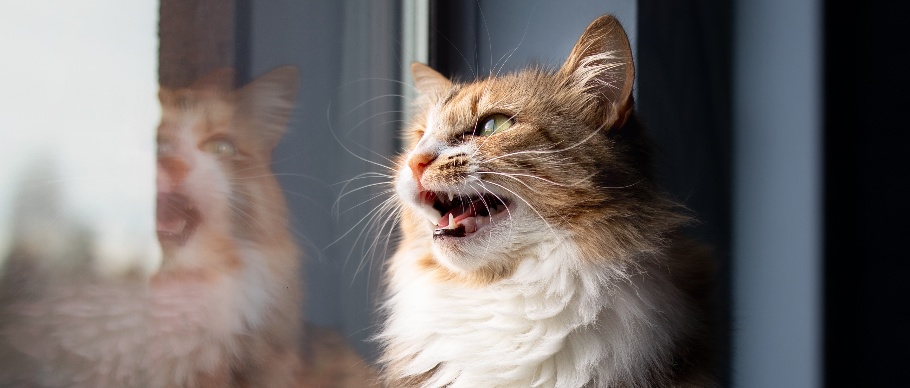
(223, 310)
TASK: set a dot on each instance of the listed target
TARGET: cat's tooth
(451, 197)
(451, 224)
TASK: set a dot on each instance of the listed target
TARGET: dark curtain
(866, 191)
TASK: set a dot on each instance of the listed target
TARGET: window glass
(80, 110)
(187, 190)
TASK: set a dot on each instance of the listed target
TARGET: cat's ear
(430, 84)
(268, 102)
(221, 80)
(601, 64)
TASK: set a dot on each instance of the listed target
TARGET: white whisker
(364, 187)
(511, 52)
(373, 116)
(345, 192)
(517, 196)
(514, 175)
(392, 213)
(363, 219)
(582, 141)
(384, 212)
(332, 131)
(362, 104)
(379, 195)
(365, 175)
(508, 212)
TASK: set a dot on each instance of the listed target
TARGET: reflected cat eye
(219, 147)
(165, 147)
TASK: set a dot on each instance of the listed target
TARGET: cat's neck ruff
(560, 320)
(129, 333)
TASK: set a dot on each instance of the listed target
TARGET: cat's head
(498, 164)
(215, 185)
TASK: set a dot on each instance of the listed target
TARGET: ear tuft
(601, 64)
(269, 101)
(430, 84)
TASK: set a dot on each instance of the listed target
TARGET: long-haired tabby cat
(537, 250)
(224, 308)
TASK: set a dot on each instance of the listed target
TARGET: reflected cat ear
(430, 84)
(268, 102)
(601, 64)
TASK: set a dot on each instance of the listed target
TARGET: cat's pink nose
(171, 173)
(418, 164)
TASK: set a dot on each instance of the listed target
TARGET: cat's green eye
(165, 147)
(220, 147)
(493, 123)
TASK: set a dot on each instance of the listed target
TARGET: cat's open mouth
(177, 218)
(461, 216)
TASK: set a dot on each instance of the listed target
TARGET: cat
(223, 309)
(537, 249)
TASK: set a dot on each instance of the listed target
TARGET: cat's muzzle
(177, 218)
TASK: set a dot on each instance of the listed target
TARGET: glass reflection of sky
(79, 101)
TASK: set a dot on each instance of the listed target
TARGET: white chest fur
(558, 321)
(99, 334)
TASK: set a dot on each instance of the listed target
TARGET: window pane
(80, 110)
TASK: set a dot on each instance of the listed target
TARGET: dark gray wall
(777, 194)
(475, 37)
